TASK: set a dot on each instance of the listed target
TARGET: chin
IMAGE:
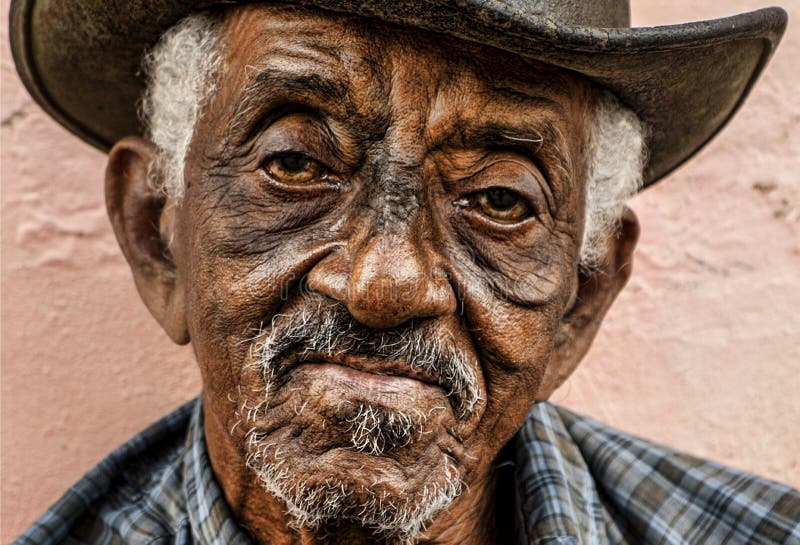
(353, 427)
(361, 464)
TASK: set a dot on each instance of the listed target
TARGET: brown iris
(294, 168)
(500, 205)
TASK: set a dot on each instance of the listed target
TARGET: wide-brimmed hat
(81, 59)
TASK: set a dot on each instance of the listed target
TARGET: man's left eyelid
(515, 154)
(325, 168)
(325, 154)
(487, 163)
(534, 196)
(539, 173)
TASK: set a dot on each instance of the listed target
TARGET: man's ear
(596, 289)
(145, 226)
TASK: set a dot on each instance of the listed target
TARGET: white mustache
(324, 326)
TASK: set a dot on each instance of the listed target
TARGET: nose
(386, 282)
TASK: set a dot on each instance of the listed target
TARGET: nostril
(302, 285)
(329, 277)
(441, 296)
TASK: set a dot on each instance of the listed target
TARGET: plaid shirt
(577, 482)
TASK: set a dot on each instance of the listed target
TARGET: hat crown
(590, 13)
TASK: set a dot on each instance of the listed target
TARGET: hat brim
(81, 60)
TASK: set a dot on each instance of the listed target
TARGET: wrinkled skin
(391, 216)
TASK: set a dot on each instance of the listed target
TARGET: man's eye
(294, 168)
(500, 205)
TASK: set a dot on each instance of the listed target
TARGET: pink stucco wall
(702, 350)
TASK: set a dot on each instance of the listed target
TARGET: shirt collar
(558, 500)
(210, 518)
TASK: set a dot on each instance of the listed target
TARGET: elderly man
(390, 231)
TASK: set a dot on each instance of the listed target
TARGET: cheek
(516, 348)
(515, 343)
(249, 249)
(513, 291)
(231, 296)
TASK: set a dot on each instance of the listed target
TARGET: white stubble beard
(374, 430)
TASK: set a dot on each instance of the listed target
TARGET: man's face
(377, 248)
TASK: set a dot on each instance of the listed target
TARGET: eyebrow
(542, 142)
(273, 86)
(494, 133)
(533, 138)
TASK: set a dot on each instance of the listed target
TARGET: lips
(392, 368)
(318, 330)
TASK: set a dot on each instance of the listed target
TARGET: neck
(469, 520)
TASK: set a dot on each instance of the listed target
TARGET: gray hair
(181, 71)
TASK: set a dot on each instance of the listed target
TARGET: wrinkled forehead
(368, 69)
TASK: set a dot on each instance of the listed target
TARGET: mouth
(372, 368)
(388, 390)
(391, 383)
(334, 349)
